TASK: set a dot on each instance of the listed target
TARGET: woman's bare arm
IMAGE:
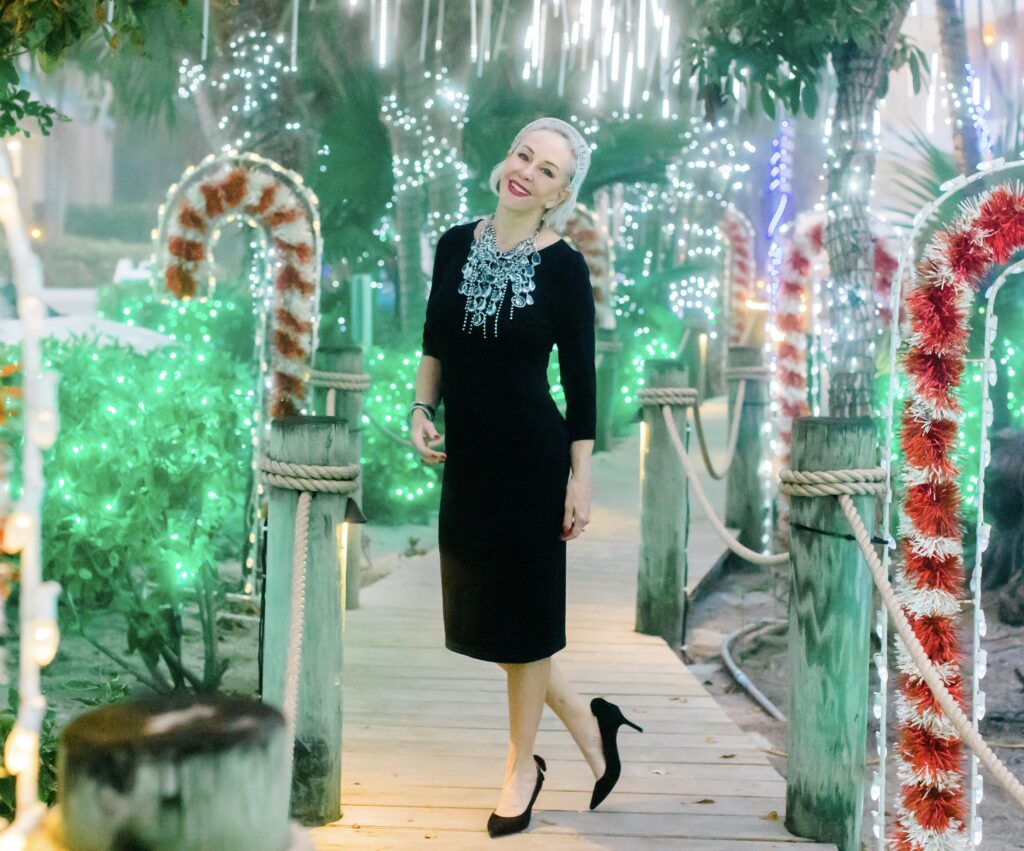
(428, 389)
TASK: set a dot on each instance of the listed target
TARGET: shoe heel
(622, 719)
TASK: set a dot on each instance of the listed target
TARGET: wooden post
(664, 515)
(177, 773)
(316, 783)
(694, 354)
(829, 627)
(348, 405)
(609, 352)
(744, 500)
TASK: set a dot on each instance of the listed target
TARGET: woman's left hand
(577, 507)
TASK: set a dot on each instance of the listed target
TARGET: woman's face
(536, 173)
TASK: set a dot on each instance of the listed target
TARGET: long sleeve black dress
(507, 446)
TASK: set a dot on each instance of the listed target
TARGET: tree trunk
(427, 203)
(446, 197)
(953, 36)
(850, 307)
(270, 136)
(410, 200)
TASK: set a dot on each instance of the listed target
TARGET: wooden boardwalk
(425, 729)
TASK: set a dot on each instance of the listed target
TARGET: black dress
(507, 446)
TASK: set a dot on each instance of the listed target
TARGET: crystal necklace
(488, 274)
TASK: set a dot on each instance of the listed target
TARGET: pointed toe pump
(504, 825)
(609, 719)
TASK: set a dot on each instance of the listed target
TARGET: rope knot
(686, 397)
(339, 380)
(870, 481)
(310, 478)
(748, 373)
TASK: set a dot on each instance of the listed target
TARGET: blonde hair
(557, 216)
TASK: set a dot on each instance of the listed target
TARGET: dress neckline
(473, 237)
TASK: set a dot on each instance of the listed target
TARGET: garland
(930, 575)
(739, 236)
(247, 185)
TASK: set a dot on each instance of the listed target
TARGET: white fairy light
(21, 753)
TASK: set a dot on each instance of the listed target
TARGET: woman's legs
(575, 714)
(527, 687)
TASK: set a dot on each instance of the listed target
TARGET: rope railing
(689, 397)
(390, 435)
(950, 708)
(727, 537)
(844, 484)
(734, 435)
(351, 381)
(307, 479)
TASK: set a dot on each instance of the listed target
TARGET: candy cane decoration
(271, 197)
(930, 576)
(591, 239)
(804, 266)
(739, 237)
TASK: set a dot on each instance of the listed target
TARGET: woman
(506, 289)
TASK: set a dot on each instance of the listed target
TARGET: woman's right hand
(423, 433)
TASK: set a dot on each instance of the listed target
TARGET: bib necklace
(488, 273)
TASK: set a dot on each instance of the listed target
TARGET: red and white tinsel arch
(274, 199)
(930, 576)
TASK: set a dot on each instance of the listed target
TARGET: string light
(254, 81)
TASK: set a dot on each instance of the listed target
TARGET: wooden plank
(426, 729)
(338, 838)
(602, 822)
(555, 799)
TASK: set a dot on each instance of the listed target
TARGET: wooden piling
(179, 773)
(348, 405)
(744, 502)
(694, 354)
(609, 353)
(664, 515)
(316, 780)
(829, 626)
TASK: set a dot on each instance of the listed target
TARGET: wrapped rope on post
(312, 474)
(338, 382)
(747, 505)
(664, 508)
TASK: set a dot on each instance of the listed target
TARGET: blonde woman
(516, 484)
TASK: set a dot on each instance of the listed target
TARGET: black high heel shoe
(609, 719)
(504, 825)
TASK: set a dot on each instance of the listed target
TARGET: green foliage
(398, 486)
(46, 30)
(778, 49)
(149, 479)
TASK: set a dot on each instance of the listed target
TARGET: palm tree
(955, 58)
